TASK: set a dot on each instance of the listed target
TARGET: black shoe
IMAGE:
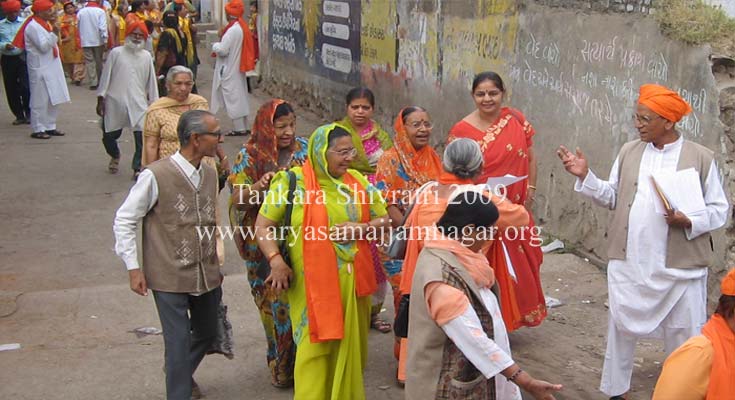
(27, 121)
(54, 132)
(19, 121)
(93, 87)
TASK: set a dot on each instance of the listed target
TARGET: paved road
(64, 294)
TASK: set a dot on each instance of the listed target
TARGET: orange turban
(137, 24)
(42, 5)
(728, 283)
(235, 8)
(664, 102)
(10, 6)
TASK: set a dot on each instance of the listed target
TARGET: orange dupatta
(321, 276)
(20, 38)
(722, 375)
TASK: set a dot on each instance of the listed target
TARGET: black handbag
(400, 325)
(264, 268)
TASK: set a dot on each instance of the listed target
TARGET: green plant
(694, 22)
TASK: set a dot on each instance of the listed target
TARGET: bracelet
(532, 187)
(272, 256)
(515, 376)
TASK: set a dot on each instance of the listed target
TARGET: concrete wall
(573, 67)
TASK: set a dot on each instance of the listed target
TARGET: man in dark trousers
(13, 63)
(180, 266)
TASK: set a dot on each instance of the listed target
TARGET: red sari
(505, 146)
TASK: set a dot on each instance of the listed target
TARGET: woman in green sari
(330, 275)
(370, 141)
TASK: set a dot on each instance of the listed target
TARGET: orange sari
(505, 146)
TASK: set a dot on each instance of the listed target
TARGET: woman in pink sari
(505, 138)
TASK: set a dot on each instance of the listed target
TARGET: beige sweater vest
(680, 252)
(175, 258)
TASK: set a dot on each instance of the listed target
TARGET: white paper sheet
(498, 184)
(683, 190)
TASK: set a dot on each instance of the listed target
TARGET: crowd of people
(345, 195)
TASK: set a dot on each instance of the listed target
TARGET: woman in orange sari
(72, 56)
(505, 138)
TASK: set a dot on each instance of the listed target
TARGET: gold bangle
(272, 256)
(532, 187)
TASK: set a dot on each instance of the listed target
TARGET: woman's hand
(280, 276)
(530, 198)
(541, 390)
(265, 181)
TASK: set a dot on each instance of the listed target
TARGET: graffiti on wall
(378, 34)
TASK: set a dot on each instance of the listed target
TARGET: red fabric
(722, 374)
(10, 6)
(505, 147)
(66, 22)
(42, 5)
(321, 276)
(20, 37)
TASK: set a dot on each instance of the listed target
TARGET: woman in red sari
(505, 138)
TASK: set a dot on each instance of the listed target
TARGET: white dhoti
(43, 112)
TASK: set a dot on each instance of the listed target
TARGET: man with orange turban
(235, 56)
(45, 73)
(703, 368)
(128, 85)
(13, 64)
(658, 255)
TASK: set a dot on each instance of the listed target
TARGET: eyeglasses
(644, 119)
(418, 124)
(345, 153)
(215, 133)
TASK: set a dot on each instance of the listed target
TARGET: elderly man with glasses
(179, 265)
(657, 273)
(127, 87)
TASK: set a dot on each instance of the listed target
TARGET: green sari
(333, 369)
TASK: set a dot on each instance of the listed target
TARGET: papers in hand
(496, 183)
(682, 191)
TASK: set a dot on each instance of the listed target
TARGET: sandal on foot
(40, 135)
(54, 132)
(380, 325)
(113, 165)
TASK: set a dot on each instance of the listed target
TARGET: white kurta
(489, 356)
(229, 85)
(45, 76)
(642, 290)
(128, 84)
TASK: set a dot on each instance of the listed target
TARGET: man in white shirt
(179, 265)
(657, 270)
(127, 86)
(45, 73)
(93, 35)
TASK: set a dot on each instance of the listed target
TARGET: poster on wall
(287, 30)
(338, 41)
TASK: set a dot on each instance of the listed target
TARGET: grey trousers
(93, 61)
(189, 328)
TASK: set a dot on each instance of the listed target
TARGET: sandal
(380, 325)
(54, 132)
(40, 135)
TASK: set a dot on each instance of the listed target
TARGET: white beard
(135, 47)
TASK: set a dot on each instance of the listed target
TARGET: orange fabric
(137, 24)
(728, 284)
(664, 102)
(476, 264)
(42, 5)
(323, 299)
(20, 37)
(418, 166)
(235, 8)
(722, 375)
(10, 6)
(686, 372)
(445, 302)
(67, 22)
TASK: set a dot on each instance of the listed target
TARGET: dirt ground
(64, 296)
